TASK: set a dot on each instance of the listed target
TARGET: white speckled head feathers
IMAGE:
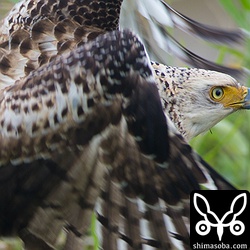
(186, 97)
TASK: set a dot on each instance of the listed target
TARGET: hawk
(56, 27)
(90, 106)
(35, 31)
(98, 106)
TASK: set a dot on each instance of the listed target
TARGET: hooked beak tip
(247, 100)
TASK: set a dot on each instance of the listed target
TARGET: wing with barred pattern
(55, 124)
(149, 199)
(57, 26)
(63, 130)
(148, 207)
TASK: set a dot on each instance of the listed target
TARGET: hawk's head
(197, 99)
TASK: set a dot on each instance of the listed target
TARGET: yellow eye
(217, 93)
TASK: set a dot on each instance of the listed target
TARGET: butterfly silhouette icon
(203, 227)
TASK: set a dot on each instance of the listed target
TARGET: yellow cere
(229, 96)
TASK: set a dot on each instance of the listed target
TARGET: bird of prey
(56, 27)
(35, 31)
(66, 126)
(98, 107)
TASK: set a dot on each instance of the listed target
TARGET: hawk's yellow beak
(231, 96)
(246, 104)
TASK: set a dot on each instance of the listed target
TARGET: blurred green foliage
(5, 6)
(227, 146)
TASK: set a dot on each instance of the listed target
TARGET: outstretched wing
(99, 14)
(86, 123)
(152, 192)
(56, 124)
(35, 31)
(148, 207)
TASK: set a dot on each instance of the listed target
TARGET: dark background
(220, 202)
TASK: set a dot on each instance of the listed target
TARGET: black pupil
(218, 92)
